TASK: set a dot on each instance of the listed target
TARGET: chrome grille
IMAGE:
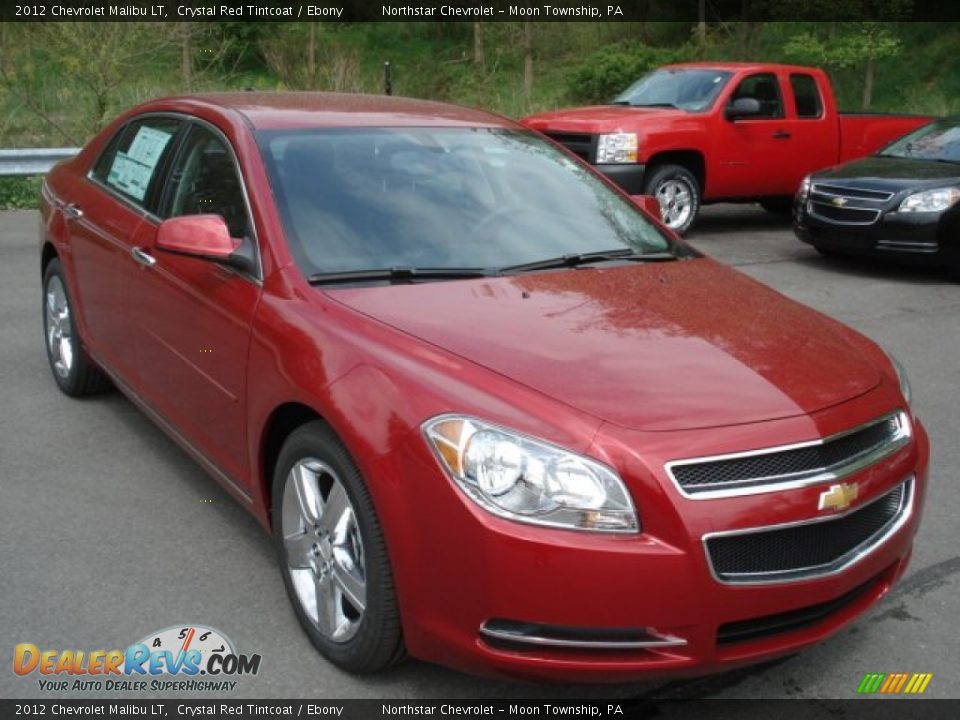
(845, 205)
(811, 548)
(797, 465)
(846, 192)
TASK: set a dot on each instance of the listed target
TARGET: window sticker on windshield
(131, 171)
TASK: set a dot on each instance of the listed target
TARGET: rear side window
(130, 163)
(765, 89)
(806, 96)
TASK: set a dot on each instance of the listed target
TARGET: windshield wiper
(396, 274)
(578, 259)
(663, 104)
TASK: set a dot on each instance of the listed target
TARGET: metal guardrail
(32, 161)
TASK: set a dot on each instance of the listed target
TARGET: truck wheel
(73, 370)
(678, 193)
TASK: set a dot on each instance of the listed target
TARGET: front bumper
(629, 178)
(459, 569)
(913, 238)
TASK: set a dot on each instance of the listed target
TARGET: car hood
(598, 118)
(891, 174)
(665, 346)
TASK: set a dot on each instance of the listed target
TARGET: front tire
(333, 554)
(678, 192)
(73, 370)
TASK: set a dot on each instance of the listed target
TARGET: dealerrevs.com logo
(178, 658)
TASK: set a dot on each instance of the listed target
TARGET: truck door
(816, 134)
(755, 154)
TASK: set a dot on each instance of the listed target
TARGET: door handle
(144, 258)
(72, 211)
(781, 135)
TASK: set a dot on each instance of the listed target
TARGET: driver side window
(204, 181)
(765, 89)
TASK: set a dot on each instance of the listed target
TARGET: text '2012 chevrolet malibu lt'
(493, 414)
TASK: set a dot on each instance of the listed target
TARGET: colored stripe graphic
(894, 683)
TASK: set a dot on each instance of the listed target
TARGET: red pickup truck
(699, 133)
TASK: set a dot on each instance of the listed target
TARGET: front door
(754, 153)
(192, 317)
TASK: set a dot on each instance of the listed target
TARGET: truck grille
(793, 465)
(846, 206)
(579, 144)
(810, 548)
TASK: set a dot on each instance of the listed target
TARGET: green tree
(851, 45)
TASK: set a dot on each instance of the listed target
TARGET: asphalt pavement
(109, 532)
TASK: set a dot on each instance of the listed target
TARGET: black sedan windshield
(691, 90)
(939, 140)
(442, 198)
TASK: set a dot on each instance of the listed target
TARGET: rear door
(191, 317)
(104, 215)
(816, 133)
(755, 154)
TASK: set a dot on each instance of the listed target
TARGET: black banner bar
(713, 11)
(885, 709)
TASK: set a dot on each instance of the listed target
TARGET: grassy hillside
(60, 83)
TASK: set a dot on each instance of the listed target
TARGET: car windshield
(938, 141)
(442, 198)
(691, 90)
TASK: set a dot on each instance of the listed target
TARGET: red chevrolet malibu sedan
(493, 414)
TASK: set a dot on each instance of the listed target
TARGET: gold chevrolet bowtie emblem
(839, 201)
(838, 497)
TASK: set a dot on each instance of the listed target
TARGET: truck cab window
(806, 96)
(764, 88)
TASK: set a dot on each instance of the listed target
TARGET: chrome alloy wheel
(676, 203)
(324, 550)
(58, 328)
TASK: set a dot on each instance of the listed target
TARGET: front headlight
(804, 192)
(617, 148)
(936, 200)
(528, 480)
(905, 388)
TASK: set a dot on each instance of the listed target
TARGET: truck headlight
(617, 148)
(528, 480)
(804, 192)
(931, 201)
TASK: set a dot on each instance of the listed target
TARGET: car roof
(291, 110)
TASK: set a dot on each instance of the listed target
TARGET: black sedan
(900, 203)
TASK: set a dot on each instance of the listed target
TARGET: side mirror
(742, 107)
(204, 236)
(648, 203)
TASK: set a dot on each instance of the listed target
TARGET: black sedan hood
(891, 174)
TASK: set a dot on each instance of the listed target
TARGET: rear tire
(678, 193)
(75, 373)
(333, 554)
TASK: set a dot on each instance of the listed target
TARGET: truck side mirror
(742, 107)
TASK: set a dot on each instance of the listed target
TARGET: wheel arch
(692, 160)
(281, 423)
(48, 253)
